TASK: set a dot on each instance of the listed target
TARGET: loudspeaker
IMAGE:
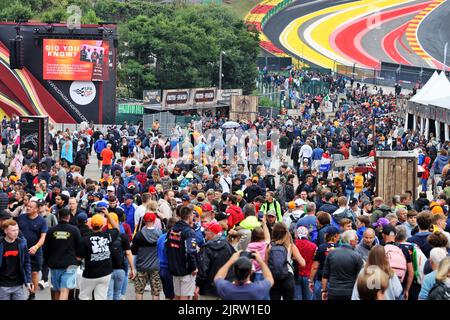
(16, 53)
(34, 133)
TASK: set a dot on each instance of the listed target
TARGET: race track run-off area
(362, 33)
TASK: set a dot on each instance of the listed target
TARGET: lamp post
(220, 69)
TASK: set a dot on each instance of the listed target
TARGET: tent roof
(435, 92)
(426, 87)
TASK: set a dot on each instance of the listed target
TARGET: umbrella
(230, 125)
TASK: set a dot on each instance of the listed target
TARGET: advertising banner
(152, 96)
(176, 98)
(80, 60)
(225, 95)
(204, 96)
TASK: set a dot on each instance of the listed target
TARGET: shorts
(167, 282)
(152, 277)
(184, 285)
(64, 278)
(36, 263)
(99, 157)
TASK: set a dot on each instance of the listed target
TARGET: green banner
(130, 108)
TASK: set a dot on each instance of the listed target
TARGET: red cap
(131, 184)
(152, 189)
(213, 226)
(207, 207)
(149, 217)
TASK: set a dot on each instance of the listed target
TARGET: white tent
(425, 88)
(436, 94)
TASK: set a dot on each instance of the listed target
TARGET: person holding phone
(242, 288)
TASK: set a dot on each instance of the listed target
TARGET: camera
(247, 254)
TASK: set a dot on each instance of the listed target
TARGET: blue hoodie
(420, 238)
(439, 164)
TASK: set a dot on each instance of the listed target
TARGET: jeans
(106, 168)
(302, 291)
(115, 285)
(349, 194)
(424, 184)
(125, 282)
(317, 290)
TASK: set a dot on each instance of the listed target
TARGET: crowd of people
(262, 211)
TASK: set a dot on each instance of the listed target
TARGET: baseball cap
(271, 213)
(381, 222)
(98, 195)
(389, 230)
(115, 217)
(201, 196)
(302, 232)
(128, 196)
(291, 204)
(185, 197)
(353, 201)
(102, 204)
(110, 188)
(300, 202)
(221, 216)
(214, 227)
(66, 193)
(198, 210)
(152, 189)
(207, 207)
(329, 195)
(331, 231)
(97, 220)
(81, 218)
(131, 185)
(240, 192)
(149, 217)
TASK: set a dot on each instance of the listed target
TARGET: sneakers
(43, 284)
(32, 296)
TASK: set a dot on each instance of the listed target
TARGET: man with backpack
(399, 258)
(120, 250)
(147, 263)
(213, 256)
(272, 204)
(309, 221)
(82, 158)
(182, 255)
(380, 210)
(343, 213)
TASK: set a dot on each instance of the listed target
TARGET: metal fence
(388, 74)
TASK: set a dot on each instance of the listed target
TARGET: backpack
(396, 260)
(419, 259)
(439, 292)
(117, 253)
(278, 263)
(81, 160)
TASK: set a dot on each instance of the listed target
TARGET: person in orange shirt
(107, 156)
(358, 183)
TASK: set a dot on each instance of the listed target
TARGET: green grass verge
(241, 7)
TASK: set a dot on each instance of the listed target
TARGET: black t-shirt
(97, 255)
(10, 273)
(320, 256)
